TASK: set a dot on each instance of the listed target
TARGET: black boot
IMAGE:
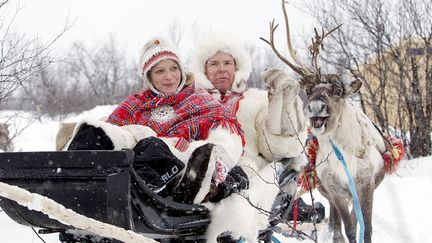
(226, 237)
(265, 236)
(308, 213)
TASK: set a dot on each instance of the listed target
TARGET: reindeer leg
(344, 213)
(335, 224)
(366, 202)
(379, 176)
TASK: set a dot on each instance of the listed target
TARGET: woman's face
(166, 76)
(220, 70)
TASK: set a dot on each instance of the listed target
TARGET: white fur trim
(120, 138)
(209, 45)
(152, 47)
(228, 149)
(139, 131)
(205, 186)
(237, 215)
(230, 145)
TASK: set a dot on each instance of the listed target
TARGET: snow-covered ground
(401, 203)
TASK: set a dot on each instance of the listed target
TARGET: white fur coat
(235, 214)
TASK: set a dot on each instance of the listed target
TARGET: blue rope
(274, 239)
(353, 191)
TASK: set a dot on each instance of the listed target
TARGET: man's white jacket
(274, 127)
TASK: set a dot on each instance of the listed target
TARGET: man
(273, 123)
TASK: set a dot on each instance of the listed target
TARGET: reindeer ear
(353, 87)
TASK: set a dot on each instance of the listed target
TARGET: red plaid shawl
(195, 113)
(231, 101)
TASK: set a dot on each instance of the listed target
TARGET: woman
(190, 125)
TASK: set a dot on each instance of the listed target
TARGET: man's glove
(277, 80)
(283, 116)
(235, 181)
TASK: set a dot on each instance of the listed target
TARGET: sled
(101, 185)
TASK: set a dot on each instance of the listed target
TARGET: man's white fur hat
(209, 45)
(154, 51)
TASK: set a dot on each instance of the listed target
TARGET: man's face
(220, 70)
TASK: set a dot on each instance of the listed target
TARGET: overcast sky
(133, 22)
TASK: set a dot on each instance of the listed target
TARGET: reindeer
(5, 141)
(334, 118)
(64, 134)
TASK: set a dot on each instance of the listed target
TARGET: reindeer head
(325, 92)
(325, 103)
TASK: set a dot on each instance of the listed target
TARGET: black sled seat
(97, 184)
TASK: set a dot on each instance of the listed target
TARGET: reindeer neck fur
(349, 137)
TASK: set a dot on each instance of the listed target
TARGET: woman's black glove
(235, 181)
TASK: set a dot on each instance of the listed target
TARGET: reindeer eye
(337, 90)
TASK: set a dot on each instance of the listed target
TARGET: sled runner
(101, 185)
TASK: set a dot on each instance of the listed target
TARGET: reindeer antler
(292, 52)
(317, 43)
(280, 56)
(300, 68)
(309, 77)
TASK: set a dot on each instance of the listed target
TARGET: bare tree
(105, 71)
(20, 58)
(386, 44)
(175, 31)
(86, 78)
(52, 93)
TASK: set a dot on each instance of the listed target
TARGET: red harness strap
(295, 217)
